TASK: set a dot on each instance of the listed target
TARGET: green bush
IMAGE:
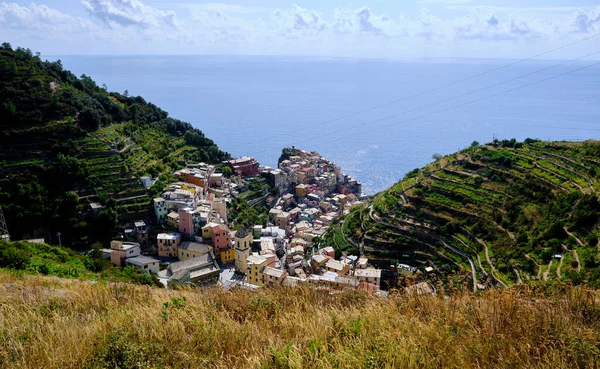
(14, 256)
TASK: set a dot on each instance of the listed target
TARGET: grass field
(56, 323)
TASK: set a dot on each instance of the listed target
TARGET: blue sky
(329, 28)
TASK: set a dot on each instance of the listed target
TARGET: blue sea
(378, 119)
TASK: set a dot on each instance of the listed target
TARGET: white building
(144, 264)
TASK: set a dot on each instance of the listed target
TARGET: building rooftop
(256, 259)
(168, 236)
(197, 267)
(141, 260)
(118, 245)
(368, 273)
(191, 263)
(195, 247)
(96, 206)
(220, 228)
(241, 233)
(277, 273)
(336, 265)
(319, 258)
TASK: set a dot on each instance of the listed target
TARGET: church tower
(243, 244)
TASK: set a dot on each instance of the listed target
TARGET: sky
(324, 28)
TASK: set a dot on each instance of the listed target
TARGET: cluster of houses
(313, 173)
(197, 238)
(319, 269)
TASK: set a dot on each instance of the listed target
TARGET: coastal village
(198, 244)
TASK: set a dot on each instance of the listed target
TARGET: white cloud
(39, 17)
(135, 27)
(128, 13)
(587, 21)
(222, 8)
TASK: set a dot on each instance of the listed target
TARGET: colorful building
(255, 265)
(122, 250)
(160, 210)
(273, 277)
(221, 239)
(227, 256)
(168, 244)
(243, 242)
(244, 166)
(188, 250)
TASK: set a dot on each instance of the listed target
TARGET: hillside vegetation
(20, 258)
(66, 142)
(505, 213)
(52, 323)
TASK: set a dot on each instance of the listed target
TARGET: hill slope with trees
(503, 213)
(66, 142)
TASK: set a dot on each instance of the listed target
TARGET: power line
(454, 97)
(435, 88)
(487, 97)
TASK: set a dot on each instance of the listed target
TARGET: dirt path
(579, 242)
(545, 276)
(517, 276)
(558, 273)
(576, 257)
(539, 270)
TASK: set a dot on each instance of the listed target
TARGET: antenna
(3, 227)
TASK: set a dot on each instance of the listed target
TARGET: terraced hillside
(505, 213)
(66, 142)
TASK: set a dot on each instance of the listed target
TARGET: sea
(376, 118)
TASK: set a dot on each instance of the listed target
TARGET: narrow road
(539, 270)
(493, 270)
(558, 274)
(545, 275)
(517, 276)
(575, 256)
(574, 237)
(464, 255)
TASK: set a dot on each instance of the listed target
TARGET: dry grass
(51, 323)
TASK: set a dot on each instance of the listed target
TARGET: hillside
(66, 142)
(54, 323)
(21, 258)
(502, 213)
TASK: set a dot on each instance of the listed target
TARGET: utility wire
(435, 88)
(483, 98)
(452, 98)
(474, 91)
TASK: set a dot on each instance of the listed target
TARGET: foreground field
(55, 323)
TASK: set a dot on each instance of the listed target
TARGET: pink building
(186, 222)
(221, 239)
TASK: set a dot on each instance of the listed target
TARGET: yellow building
(188, 250)
(173, 220)
(243, 243)
(255, 265)
(337, 267)
(207, 231)
(273, 277)
(227, 256)
(301, 190)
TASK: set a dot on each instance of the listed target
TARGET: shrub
(14, 256)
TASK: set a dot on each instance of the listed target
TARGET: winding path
(545, 275)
